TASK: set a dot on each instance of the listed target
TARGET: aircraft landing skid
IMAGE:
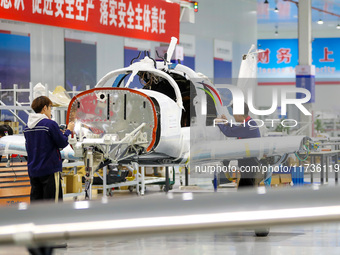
(140, 181)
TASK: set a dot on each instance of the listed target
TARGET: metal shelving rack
(59, 113)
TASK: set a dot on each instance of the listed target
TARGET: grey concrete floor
(283, 240)
(319, 239)
(313, 239)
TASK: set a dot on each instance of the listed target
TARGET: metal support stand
(167, 180)
(186, 176)
(104, 181)
(140, 185)
(89, 174)
(336, 156)
(311, 173)
(322, 170)
(142, 181)
(215, 181)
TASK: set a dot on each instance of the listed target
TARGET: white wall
(47, 55)
(204, 60)
(327, 98)
(110, 54)
(227, 20)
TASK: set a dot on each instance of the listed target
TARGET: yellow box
(293, 161)
(285, 178)
(279, 180)
(73, 183)
(275, 179)
(156, 171)
(63, 184)
(94, 193)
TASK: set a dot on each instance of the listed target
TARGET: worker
(5, 130)
(247, 129)
(44, 139)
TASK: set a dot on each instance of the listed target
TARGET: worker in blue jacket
(44, 140)
(246, 129)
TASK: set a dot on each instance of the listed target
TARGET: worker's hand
(220, 121)
(70, 126)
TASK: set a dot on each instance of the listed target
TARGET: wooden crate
(13, 164)
(10, 201)
(15, 191)
(14, 184)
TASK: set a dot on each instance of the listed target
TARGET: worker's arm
(242, 131)
(60, 138)
(233, 131)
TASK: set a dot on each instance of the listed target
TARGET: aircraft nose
(125, 114)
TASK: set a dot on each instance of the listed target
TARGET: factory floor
(309, 240)
(305, 239)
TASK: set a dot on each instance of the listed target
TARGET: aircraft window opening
(188, 92)
(148, 79)
(154, 82)
(122, 79)
(211, 110)
(159, 84)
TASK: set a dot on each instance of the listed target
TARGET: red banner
(141, 19)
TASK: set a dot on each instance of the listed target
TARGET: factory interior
(169, 126)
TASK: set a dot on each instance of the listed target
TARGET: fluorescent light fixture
(104, 200)
(81, 205)
(261, 190)
(187, 196)
(320, 21)
(276, 9)
(266, 2)
(338, 26)
(22, 206)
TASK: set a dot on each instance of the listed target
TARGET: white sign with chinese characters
(223, 50)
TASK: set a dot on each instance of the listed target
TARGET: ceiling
(287, 16)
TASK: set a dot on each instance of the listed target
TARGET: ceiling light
(338, 26)
(320, 22)
(276, 9)
(266, 2)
